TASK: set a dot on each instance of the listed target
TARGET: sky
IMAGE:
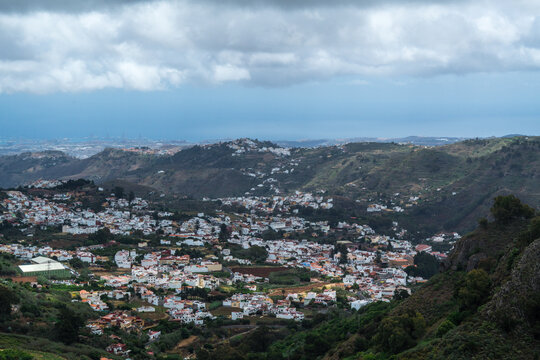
(274, 69)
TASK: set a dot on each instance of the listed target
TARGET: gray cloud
(22, 6)
(310, 4)
(151, 45)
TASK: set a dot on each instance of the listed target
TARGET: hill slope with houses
(445, 187)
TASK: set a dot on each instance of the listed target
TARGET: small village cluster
(144, 150)
(242, 146)
(282, 204)
(259, 303)
(23, 210)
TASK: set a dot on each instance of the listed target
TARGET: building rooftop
(41, 267)
(43, 260)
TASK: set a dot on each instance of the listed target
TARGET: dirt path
(185, 343)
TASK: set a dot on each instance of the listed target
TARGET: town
(140, 264)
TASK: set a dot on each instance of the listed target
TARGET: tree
(270, 235)
(475, 290)
(119, 192)
(397, 333)
(101, 236)
(7, 298)
(531, 234)
(445, 327)
(68, 325)
(483, 222)
(257, 253)
(315, 345)
(508, 208)
(342, 249)
(260, 340)
(131, 196)
(378, 259)
(224, 233)
(76, 263)
(401, 294)
(426, 265)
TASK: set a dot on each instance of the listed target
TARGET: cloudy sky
(270, 69)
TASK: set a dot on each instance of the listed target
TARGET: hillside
(452, 185)
(484, 305)
(18, 169)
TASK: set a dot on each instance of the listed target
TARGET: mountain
(451, 186)
(415, 140)
(18, 169)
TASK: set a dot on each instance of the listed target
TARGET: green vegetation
(224, 233)
(46, 315)
(290, 277)
(7, 266)
(508, 208)
(43, 348)
(14, 354)
(68, 325)
(397, 333)
(74, 184)
(425, 265)
(256, 254)
(475, 290)
(314, 339)
(7, 298)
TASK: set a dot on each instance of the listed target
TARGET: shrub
(445, 327)
(475, 290)
(7, 298)
(483, 222)
(398, 333)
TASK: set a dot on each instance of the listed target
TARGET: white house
(237, 315)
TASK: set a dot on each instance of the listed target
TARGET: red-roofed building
(423, 248)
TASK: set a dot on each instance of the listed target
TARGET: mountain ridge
(453, 183)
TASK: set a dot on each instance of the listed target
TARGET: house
(289, 314)
(236, 315)
(118, 349)
(357, 304)
(153, 335)
(150, 297)
(87, 257)
(95, 329)
(423, 248)
(146, 309)
(123, 259)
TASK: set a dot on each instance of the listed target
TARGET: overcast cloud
(72, 46)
